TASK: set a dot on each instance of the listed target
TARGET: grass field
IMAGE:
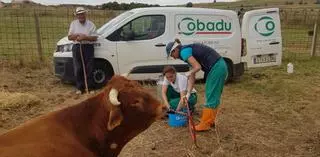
(262, 4)
(268, 112)
(18, 28)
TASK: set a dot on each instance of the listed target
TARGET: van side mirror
(127, 35)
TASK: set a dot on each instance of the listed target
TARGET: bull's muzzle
(161, 111)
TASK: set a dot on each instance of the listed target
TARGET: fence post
(37, 27)
(314, 39)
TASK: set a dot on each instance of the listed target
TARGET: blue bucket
(177, 120)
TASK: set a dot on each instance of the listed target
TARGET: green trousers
(215, 83)
(174, 99)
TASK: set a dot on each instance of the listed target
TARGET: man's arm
(71, 33)
(91, 38)
(82, 37)
(73, 36)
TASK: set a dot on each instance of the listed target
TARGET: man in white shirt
(174, 89)
(83, 33)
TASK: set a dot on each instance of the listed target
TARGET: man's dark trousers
(88, 57)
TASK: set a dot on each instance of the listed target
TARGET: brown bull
(97, 127)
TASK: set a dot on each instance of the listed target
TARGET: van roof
(180, 9)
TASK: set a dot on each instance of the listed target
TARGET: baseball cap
(170, 47)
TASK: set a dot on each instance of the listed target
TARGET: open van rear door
(261, 32)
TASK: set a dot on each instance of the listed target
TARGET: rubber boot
(207, 119)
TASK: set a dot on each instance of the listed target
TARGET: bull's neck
(88, 121)
(114, 141)
(104, 142)
(91, 116)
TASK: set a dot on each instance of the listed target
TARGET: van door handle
(160, 45)
(274, 43)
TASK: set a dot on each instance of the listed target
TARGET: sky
(97, 2)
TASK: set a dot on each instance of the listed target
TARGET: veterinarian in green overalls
(174, 88)
(202, 57)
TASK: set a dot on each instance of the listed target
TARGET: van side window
(141, 28)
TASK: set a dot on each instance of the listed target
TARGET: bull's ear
(115, 118)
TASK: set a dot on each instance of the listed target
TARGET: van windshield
(113, 21)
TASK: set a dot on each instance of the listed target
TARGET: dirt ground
(248, 124)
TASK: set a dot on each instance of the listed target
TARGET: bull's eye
(137, 104)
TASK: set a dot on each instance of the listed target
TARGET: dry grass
(18, 100)
(267, 113)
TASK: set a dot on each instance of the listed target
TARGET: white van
(135, 41)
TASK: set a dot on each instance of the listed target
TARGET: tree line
(125, 6)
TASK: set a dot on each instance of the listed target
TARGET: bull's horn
(113, 97)
(125, 74)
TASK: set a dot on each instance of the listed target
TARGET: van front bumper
(63, 68)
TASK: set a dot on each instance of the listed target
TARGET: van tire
(230, 71)
(102, 73)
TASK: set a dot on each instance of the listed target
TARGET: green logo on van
(191, 26)
(265, 26)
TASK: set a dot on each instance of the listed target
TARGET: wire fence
(31, 34)
(298, 30)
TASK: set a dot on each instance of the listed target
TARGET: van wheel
(230, 71)
(102, 73)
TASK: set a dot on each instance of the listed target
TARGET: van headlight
(64, 48)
